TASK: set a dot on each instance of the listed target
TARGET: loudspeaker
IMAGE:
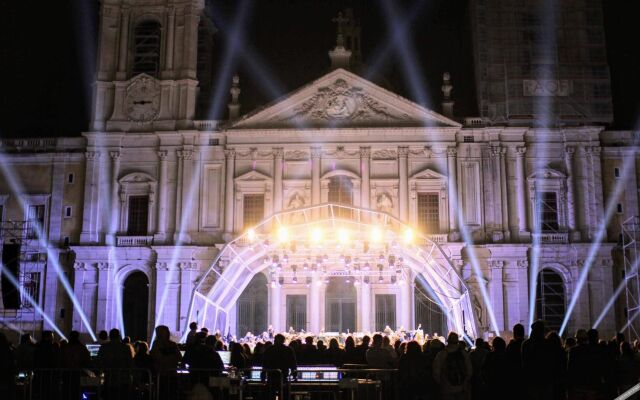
(10, 265)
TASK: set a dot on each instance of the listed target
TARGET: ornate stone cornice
(384, 154)
(296, 155)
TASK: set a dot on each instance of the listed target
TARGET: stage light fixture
(316, 235)
(343, 236)
(376, 234)
(283, 234)
(408, 236)
(251, 235)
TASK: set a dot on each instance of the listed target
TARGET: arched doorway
(550, 299)
(428, 312)
(340, 305)
(135, 306)
(252, 307)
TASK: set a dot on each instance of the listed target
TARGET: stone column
(452, 170)
(90, 187)
(187, 183)
(274, 306)
(571, 199)
(315, 322)
(278, 156)
(521, 191)
(365, 161)
(365, 307)
(162, 196)
(596, 182)
(316, 153)
(504, 191)
(179, 184)
(230, 155)
(496, 292)
(403, 184)
(170, 38)
(124, 44)
(115, 198)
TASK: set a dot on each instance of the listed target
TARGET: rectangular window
(429, 212)
(35, 221)
(619, 207)
(616, 172)
(138, 215)
(253, 209)
(30, 288)
(70, 178)
(385, 311)
(548, 211)
(297, 312)
(68, 212)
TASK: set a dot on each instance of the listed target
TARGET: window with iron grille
(252, 307)
(297, 311)
(341, 192)
(35, 220)
(253, 209)
(385, 311)
(429, 212)
(30, 288)
(340, 308)
(138, 215)
(550, 299)
(146, 49)
(548, 211)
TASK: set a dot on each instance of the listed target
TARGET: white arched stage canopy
(306, 241)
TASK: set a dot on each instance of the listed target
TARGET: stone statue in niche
(296, 201)
(477, 307)
(384, 203)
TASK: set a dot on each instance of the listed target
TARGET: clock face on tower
(142, 101)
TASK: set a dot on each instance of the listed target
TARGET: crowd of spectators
(542, 366)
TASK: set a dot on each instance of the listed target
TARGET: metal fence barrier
(85, 384)
(306, 383)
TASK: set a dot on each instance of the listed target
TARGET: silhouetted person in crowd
(536, 364)
(586, 366)
(478, 356)
(431, 350)
(165, 352)
(307, 354)
(191, 336)
(258, 353)
(142, 359)
(361, 350)
(377, 357)
(322, 352)
(495, 369)
(278, 357)
(47, 352)
(452, 370)
(350, 352)
(7, 369)
(75, 354)
(238, 358)
(515, 377)
(334, 354)
(25, 352)
(412, 372)
(626, 368)
(115, 354)
(103, 337)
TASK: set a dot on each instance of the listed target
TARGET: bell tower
(146, 78)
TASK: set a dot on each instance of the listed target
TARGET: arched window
(146, 49)
(341, 192)
(340, 314)
(135, 305)
(252, 307)
(550, 298)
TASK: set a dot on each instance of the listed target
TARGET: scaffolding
(630, 249)
(32, 259)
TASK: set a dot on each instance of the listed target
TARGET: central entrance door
(135, 306)
(340, 311)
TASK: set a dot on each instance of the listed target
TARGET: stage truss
(346, 230)
(631, 255)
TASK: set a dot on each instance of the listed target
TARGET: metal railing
(133, 241)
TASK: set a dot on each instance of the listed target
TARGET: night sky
(47, 55)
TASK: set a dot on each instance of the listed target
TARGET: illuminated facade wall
(156, 191)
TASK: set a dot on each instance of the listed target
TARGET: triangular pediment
(429, 174)
(253, 176)
(342, 99)
(547, 173)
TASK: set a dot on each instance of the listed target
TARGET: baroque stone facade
(150, 189)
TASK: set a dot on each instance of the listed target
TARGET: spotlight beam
(616, 294)
(31, 301)
(17, 191)
(628, 163)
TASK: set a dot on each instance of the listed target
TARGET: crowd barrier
(313, 383)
